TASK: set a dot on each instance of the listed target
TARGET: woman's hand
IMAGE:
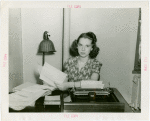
(49, 92)
(47, 87)
(63, 86)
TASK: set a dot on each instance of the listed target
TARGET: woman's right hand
(49, 91)
(63, 86)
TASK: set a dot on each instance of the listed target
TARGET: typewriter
(91, 95)
(93, 100)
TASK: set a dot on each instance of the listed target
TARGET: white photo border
(144, 115)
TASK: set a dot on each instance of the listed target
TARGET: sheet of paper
(34, 88)
(22, 86)
(22, 99)
(18, 97)
(91, 84)
(51, 74)
(47, 80)
(45, 87)
(24, 94)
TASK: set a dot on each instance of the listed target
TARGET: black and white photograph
(74, 60)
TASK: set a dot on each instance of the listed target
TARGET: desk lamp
(46, 46)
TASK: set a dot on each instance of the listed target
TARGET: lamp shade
(46, 45)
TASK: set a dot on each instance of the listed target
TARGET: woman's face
(84, 47)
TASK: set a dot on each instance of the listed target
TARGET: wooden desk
(120, 105)
(39, 107)
(121, 99)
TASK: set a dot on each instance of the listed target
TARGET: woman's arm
(66, 85)
(96, 67)
(95, 76)
(74, 84)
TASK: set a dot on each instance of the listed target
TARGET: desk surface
(39, 107)
(121, 99)
(119, 106)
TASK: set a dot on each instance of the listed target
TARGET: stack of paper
(92, 84)
(27, 96)
(52, 75)
(24, 85)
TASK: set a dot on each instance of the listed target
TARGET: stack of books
(52, 100)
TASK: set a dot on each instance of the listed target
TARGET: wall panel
(15, 48)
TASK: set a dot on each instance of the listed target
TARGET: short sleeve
(96, 66)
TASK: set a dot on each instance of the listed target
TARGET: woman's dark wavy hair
(89, 35)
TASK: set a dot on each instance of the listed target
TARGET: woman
(83, 64)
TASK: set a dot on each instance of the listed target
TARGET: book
(52, 100)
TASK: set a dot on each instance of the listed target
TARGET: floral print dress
(74, 74)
